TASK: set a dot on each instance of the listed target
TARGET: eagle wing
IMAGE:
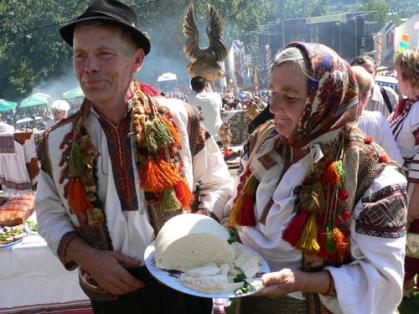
(191, 32)
(214, 32)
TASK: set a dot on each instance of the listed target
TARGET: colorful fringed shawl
(337, 180)
(157, 142)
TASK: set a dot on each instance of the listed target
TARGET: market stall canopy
(167, 77)
(35, 100)
(73, 93)
(7, 105)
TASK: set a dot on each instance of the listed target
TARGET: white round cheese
(191, 240)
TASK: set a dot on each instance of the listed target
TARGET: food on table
(17, 209)
(11, 234)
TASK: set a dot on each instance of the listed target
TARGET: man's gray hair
(60, 106)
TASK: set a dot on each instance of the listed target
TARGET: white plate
(11, 243)
(170, 279)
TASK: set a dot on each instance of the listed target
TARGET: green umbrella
(7, 105)
(73, 93)
(35, 100)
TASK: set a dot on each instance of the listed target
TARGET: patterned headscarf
(332, 97)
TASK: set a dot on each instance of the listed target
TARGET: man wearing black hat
(116, 170)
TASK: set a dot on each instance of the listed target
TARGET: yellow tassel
(308, 239)
(234, 214)
(169, 201)
(313, 198)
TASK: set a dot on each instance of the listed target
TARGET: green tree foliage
(31, 50)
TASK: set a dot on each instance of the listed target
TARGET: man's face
(104, 62)
(369, 66)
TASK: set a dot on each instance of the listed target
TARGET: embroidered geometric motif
(119, 146)
(384, 213)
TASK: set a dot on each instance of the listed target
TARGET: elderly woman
(373, 123)
(320, 201)
(405, 125)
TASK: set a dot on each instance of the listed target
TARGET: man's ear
(139, 59)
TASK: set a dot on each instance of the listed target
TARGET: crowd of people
(327, 193)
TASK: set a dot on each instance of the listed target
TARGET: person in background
(115, 171)
(6, 128)
(323, 205)
(59, 110)
(404, 123)
(209, 104)
(383, 99)
(373, 123)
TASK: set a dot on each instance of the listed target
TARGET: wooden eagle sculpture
(204, 62)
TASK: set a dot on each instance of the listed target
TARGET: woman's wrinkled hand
(282, 282)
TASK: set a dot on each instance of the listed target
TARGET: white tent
(167, 77)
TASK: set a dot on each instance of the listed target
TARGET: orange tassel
(158, 175)
(293, 232)
(77, 197)
(173, 132)
(184, 194)
(246, 216)
(331, 175)
(341, 243)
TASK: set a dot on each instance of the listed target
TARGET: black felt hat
(114, 12)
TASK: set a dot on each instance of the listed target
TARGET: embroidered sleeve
(62, 250)
(384, 213)
(413, 171)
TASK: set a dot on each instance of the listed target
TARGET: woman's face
(288, 95)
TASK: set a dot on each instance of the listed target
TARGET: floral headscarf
(332, 97)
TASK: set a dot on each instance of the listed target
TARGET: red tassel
(368, 139)
(184, 194)
(322, 241)
(384, 158)
(246, 215)
(295, 228)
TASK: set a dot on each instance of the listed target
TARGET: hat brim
(67, 31)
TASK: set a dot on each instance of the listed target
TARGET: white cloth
(33, 275)
(14, 175)
(406, 133)
(130, 232)
(376, 101)
(6, 128)
(374, 124)
(209, 104)
(372, 283)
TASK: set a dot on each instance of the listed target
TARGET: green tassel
(339, 168)
(75, 161)
(156, 134)
(330, 241)
(169, 201)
